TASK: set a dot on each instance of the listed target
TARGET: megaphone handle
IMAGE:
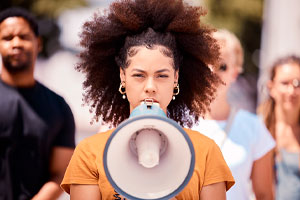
(118, 196)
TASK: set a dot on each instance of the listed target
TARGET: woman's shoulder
(96, 140)
(246, 116)
(247, 121)
(253, 130)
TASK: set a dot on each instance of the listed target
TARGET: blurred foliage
(47, 12)
(242, 17)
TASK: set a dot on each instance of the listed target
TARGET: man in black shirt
(36, 125)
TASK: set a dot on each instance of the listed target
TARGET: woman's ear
(122, 75)
(235, 74)
(270, 88)
(176, 78)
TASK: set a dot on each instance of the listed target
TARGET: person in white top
(244, 140)
(281, 114)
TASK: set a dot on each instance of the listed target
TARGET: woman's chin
(291, 106)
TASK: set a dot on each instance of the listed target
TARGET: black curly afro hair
(20, 12)
(108, 37)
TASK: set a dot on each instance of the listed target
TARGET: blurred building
(280, 36)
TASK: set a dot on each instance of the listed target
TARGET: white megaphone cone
(148, 143)
(148, 156)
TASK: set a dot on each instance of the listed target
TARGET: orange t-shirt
(86, 166)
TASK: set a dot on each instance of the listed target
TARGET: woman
(244, 140)
(281, 113)
(145, 50)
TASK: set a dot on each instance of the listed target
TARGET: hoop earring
(175, 91)
(122, 90)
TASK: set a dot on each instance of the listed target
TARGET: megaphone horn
(148, 144)
(148, 156)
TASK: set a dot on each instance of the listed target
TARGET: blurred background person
(281, 114)
(280, 36)
(262, 41)
(245, 142)
(60, 22)
(36, 125)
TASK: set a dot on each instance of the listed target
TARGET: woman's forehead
(156, 56)
(287, 70)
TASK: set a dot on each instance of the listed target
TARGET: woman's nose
(291, 89)
(150, 86)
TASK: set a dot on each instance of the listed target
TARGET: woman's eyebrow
(162, 70)
(138, 70)
(158, 71)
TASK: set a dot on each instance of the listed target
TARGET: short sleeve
(264, 141)
(82, 168)
(66, 135)
(216, 169)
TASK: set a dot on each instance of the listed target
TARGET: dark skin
(19, 47)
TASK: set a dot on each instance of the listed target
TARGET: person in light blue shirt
(244, 140)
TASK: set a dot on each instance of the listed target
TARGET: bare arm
(83, 192)
(215, 191)
(262, 177)
(59, 161)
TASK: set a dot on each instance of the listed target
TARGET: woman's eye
(162, 76)
(285, 83)
(138, 75)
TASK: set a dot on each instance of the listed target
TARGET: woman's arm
(83, 192)
(262, 177)
(215, 191)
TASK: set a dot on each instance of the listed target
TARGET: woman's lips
(150, 100)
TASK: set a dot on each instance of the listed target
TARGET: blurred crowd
(42, 99)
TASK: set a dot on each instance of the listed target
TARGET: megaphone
(149, 156)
